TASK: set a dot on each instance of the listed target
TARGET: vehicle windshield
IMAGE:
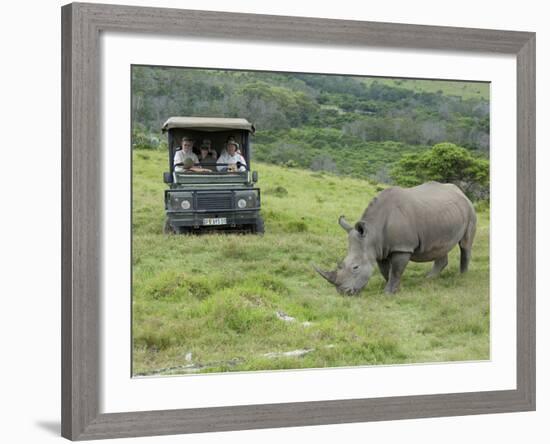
(218, 152)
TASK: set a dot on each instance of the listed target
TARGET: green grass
(208, 303)
(466, 90)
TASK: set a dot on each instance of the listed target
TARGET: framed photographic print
(279, 221)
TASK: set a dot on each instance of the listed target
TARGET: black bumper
(196, 219)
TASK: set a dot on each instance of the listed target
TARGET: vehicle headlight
(181, 201)
(247, 199)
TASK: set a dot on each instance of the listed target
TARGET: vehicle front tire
(169, 228)
(258, 227)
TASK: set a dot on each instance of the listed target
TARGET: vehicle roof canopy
(210, 124)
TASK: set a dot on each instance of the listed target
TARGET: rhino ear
(361, 228)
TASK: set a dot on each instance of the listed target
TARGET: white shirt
(225, 157)
(180, 156)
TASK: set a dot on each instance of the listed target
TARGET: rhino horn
(344, 224)
(328, 275)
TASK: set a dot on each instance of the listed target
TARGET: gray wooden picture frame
(81, 174)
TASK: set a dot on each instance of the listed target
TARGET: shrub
(446, 163)
(278, 191)
(143, 139)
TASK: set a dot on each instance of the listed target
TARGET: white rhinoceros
(419, 224)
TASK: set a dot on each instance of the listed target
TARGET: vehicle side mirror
(168, 178)
(254, 176)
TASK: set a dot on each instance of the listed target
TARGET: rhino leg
(439, 264)
(384, 266)
(465, 245)
(465, 254)
(398, 262)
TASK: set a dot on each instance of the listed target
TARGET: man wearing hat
(230, 159)
(185, 153)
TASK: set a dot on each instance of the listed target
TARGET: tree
(447, 163)
(324, 162)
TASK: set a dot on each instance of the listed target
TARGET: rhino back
(426, 220)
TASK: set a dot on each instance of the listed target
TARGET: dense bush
(143, 139)
(328, 149)
(447, 163)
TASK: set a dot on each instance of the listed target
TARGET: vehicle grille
(214, 201)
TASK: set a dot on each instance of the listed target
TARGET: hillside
(346, 125)
(225, 302)
(465, 90)
(332, 151)
(353, 113)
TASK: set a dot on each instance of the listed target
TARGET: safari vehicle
(222, 198)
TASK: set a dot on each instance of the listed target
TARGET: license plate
(214, 221)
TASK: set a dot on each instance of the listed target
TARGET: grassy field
(232, 302)
(466, 90)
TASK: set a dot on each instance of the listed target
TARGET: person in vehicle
(206, 158)
(211, 151)
(230, 160)
(186, 152)
(190, 167)
(231, 139)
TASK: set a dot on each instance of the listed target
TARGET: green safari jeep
(214, 193)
